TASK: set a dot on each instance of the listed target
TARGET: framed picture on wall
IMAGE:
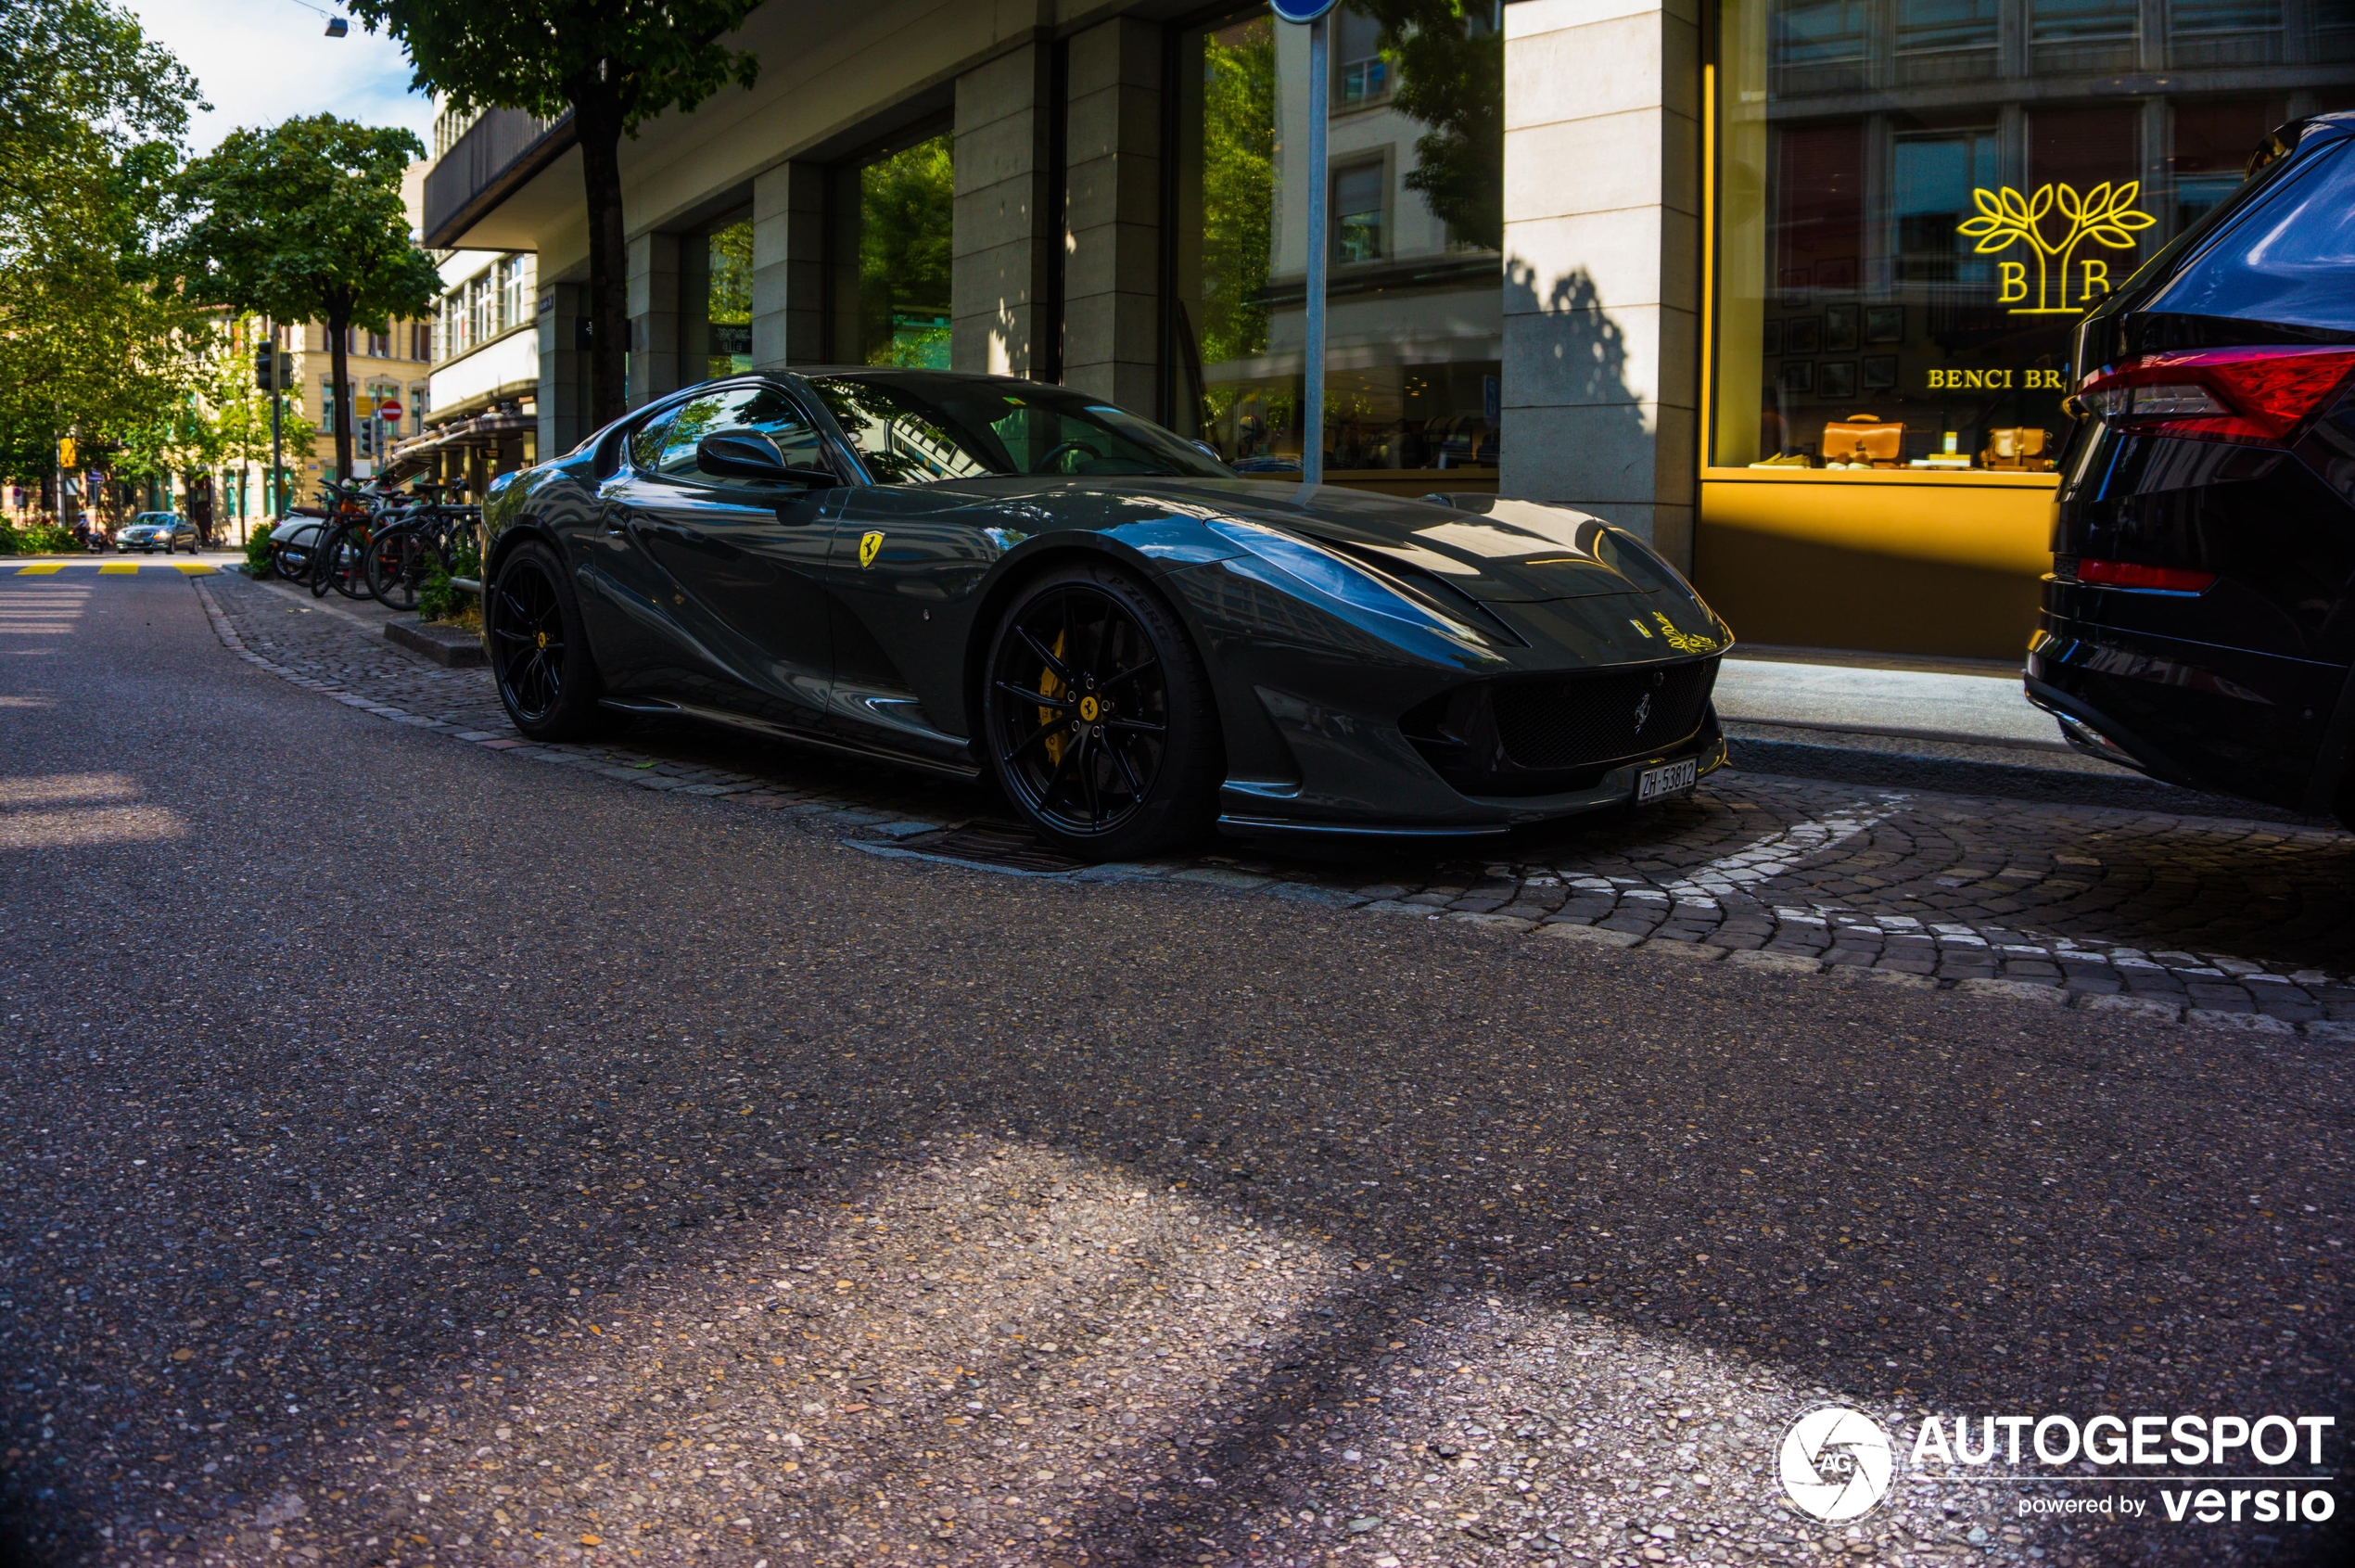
(1836, 378)
(1884, 324)
(1799, 375)
(1771, 341)
(1803, 334)
(1880, 372)
(1840, 329)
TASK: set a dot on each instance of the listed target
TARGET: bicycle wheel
(397, 563)
(332, 544)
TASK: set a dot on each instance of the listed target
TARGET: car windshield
(912, 428)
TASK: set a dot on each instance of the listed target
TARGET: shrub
(437, 600)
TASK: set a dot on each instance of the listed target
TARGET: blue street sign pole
(1312, 13)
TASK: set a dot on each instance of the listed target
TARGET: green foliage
(37, 539)
(437, 600)
(611, 64)
(304, 222)
(257, 551)
(907, 207)
(1449, 64)
(1239, 187)
(91, 114)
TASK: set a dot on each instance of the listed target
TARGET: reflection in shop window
(890, 222)
(728, 299)
(1898, 273)
(1414, 323)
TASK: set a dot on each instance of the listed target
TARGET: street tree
(92, 114)
(304, 222)
(612, 65)
(1449, 60)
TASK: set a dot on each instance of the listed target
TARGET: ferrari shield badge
(867, 544)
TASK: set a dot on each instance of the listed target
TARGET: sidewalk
(1959, 701)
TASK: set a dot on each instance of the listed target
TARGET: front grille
(1546, 735)
(1572, 720)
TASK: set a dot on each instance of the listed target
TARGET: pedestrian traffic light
(265, 363)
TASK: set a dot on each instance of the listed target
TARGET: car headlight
(1337, 577)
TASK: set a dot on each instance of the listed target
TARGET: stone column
(788, 266)
(1112, 214)
(1602, 259)
(564, 368)
(998, 253)
(654, 316)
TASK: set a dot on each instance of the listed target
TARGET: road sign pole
(277, 458)
(1312, 394)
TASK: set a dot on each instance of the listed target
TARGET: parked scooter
(295, 543)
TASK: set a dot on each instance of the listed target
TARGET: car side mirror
(748, 455)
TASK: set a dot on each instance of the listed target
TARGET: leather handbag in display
(1864, 441)
(2018, 448)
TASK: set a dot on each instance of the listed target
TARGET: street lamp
(1312, 14)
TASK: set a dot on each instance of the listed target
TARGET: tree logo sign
(2106, 215)
(1836, 1463)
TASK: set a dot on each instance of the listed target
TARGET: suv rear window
(2288, 257)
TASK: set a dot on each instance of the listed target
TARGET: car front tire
(538, 649)
(1099, 723)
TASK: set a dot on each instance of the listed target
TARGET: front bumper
(1249, 809)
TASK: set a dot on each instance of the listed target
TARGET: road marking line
(119, 569)
(196, 569)
(46, 570)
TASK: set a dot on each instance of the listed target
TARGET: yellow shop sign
(2105, 215)
(2035, 378)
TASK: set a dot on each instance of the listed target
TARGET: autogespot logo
(1836, 1463)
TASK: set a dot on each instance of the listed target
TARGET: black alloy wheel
(1099, 726)
(547, 679)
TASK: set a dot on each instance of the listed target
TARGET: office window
(1358, 213)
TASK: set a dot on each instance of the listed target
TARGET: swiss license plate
(1655, 783)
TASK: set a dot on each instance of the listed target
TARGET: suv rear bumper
(2218, 718)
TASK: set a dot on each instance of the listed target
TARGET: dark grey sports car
(976, 574)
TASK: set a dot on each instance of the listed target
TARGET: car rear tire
(539, 651)
(1098, 724)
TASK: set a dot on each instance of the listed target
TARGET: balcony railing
(498, 152)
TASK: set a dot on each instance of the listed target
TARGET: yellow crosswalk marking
(119, 569)
(195, 568)
(44, 570)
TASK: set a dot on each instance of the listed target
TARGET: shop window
(890, 219)
(1414, 316)
(1897, 273)
(728, 299)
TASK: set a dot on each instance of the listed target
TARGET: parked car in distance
(151, 531)
(2199, 621)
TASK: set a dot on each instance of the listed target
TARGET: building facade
(1783, 286)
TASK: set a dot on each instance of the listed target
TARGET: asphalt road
(413, 1153)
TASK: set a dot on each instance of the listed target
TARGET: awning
(485, 431)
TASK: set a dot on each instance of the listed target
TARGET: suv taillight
(2262, 395)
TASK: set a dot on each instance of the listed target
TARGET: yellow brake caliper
(1049, 686)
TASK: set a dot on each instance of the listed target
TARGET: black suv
(2199, 622)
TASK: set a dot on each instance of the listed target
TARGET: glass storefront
(1414, 325)
(888, 238)
(728, 299)
(1918, 199)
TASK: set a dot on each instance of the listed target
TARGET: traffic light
(265, 359)
(65, 453)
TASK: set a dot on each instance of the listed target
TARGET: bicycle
(350, 524)
(406, 552)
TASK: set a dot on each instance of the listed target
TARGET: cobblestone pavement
(2231, 923)
(568, 1176)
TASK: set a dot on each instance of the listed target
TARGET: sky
(262, 61)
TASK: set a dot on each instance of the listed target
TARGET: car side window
(765, 411)
(646, 441)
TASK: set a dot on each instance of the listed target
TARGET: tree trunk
(599, 127)
(339, 366)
